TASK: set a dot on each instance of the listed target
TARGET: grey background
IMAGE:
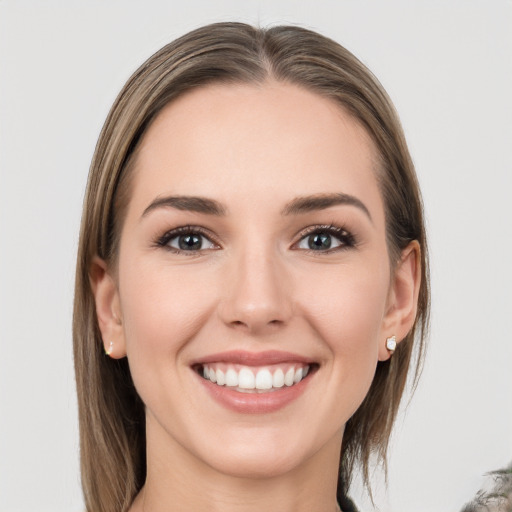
(448, 67)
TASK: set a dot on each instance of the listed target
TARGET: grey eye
(190, 242)
(320, 241)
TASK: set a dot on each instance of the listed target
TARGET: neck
(178, 480)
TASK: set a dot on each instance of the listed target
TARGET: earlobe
(403, 298)
(108, 310)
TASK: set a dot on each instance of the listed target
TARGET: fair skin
(257, 279)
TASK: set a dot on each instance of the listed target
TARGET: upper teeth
(248, 377)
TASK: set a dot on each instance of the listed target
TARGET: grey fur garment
(496, 495)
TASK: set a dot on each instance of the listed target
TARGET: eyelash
(164, 240)
(347, 240)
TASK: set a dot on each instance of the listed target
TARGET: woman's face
(253, 252)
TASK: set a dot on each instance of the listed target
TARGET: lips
(248, 382)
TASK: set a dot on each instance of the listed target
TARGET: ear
(403, 298)
(108, 309)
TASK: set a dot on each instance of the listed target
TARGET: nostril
(240, 323)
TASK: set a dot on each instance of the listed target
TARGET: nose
(257, 297)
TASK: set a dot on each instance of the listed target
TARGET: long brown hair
(111, 414)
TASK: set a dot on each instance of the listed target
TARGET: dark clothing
(346, 504)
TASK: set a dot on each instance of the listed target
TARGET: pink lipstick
(254, 383)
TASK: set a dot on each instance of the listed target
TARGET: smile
(255, 383)
(251, 379)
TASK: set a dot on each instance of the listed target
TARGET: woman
(253, 262)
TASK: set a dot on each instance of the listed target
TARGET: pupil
(188, 242)
(319, 241)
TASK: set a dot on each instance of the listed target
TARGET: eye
(190, 242)
(186, 239)
(325, 239)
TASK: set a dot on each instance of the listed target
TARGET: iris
(190, 242)
(319, 241)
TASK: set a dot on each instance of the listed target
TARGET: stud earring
(391, 344)
(110, 348)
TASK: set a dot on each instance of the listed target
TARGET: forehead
(270, 141)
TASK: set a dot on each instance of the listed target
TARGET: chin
(257, 464)
(265, 451)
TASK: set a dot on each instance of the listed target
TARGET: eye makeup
(188, 240)
(324, 239)
(193, 240)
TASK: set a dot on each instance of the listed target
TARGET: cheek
(163, 308)
(347, 311)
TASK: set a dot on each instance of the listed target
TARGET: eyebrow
(299, 205)
(187, 203)
(314, 202)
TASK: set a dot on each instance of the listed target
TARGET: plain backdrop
(447, 66)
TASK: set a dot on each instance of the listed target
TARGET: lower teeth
(242, 390)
